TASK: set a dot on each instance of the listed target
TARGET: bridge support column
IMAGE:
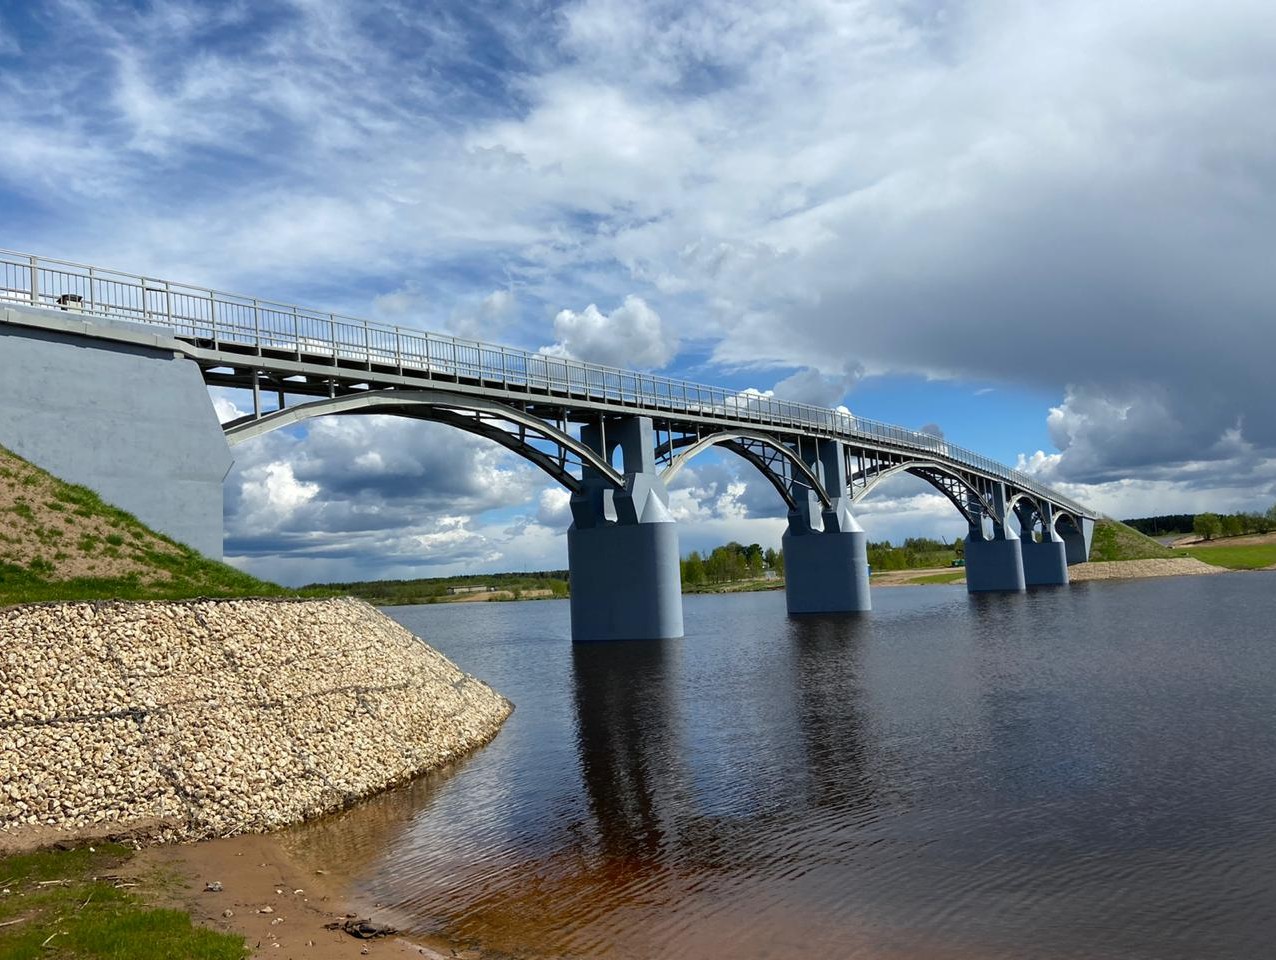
(825, 549)
(994, 565)
(1077, 536)
(622, 547)
(1045, 561)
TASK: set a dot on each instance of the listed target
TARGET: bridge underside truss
(543, 435)
(970, 493)
(778, 461)
(550, 447)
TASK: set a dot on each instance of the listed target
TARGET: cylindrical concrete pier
(994, 565)
(625, 582)
(826, 572)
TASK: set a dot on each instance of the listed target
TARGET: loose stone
(181, 721)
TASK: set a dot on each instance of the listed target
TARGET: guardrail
(203, 314)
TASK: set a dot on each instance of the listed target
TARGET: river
(1086, 772)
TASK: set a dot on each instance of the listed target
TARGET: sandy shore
(257, 874)
(1078, 573)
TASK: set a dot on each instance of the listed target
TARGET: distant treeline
(917, 553)
(730, 562)
(431, 589)
(1207, 526)
(733, 561)
(1160, 526)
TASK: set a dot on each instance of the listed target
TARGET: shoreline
(257, 873)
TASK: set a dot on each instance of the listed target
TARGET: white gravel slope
(209, 718)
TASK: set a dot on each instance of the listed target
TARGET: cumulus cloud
(791, 187)
(554, 508)
(810, 385)
(400, 493)
(632, 335)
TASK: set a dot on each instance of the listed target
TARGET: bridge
(614, 438)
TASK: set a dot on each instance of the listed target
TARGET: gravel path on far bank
(187, 720)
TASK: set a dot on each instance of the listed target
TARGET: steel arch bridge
(565, 416)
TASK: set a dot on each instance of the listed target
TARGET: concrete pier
(1045, 562)
(994, 565)
(622, 547)
(825, 549)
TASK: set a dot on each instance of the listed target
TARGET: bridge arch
(959, 489)
(769, 455)
(514, 429)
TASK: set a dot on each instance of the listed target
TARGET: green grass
(1250, 556)
(952, 576)
(67, 907)
(1116, 541)
(171, 571)
(735, 586)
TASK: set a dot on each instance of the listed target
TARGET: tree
(1232, 525)
(1207, 525)
(1271, 513)
(693, 569)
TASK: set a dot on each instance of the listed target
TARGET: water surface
(1086, 772)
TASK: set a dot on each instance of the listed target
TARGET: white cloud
(271, 493)
(554, 508)
(804, 186)
(810, 385)
(631, 336)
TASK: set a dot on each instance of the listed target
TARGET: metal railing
(281, 330)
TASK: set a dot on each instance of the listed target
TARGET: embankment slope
(189, 718)
(209, 718)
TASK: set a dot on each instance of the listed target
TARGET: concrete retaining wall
(208, 718)
(132, 423)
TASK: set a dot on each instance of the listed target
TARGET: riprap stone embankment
(208, 718)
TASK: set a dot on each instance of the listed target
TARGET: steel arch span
(513, 429)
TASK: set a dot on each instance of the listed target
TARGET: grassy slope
(1115, 541)
(45, 533)
(65, 903)
(1250, 556)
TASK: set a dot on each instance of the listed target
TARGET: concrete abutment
(72, 406)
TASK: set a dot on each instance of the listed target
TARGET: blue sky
(1042, 227)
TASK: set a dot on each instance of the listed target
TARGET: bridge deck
(231, 336)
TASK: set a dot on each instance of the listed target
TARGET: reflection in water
(624, 713)
(1043, 775)
(825, 684)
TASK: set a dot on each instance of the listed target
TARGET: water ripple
(1070, 774)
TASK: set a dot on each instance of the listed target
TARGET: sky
(1041, 227)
